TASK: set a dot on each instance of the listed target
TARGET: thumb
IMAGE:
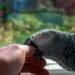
(28, 50)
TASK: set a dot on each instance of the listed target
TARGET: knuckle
(16, 46)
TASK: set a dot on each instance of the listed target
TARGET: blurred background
(19, 19)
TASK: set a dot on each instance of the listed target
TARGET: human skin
(13, 57)
(19, 60)
(34, 66)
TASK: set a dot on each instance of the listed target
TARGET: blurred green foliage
(54, 2)
(21, 26)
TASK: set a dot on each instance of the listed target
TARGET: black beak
(38, 52)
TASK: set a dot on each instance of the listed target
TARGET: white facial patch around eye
(39, 36)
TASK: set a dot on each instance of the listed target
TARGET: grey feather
(56, 45)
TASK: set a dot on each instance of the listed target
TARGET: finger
(43, 72)
(34, 63)
(37, 62)
(28, 49)
(32, 71)
(34, 68)
(29, 68)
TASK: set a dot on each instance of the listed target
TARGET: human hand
(13, 57)
(34, 66)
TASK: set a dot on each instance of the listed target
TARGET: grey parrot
(56, 45)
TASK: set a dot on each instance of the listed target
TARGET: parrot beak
(38, 53)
